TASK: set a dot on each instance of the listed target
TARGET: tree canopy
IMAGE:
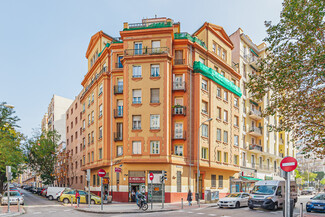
(294, 73)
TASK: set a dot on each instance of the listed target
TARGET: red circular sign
(151, 176)
(101, 173)
(288, 164)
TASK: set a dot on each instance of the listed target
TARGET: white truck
(54, 192)
(270, 194)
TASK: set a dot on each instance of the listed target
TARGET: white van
(269, 194)
(53, 192)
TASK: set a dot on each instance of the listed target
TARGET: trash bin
(291, 208)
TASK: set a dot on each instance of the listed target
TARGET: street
(39, 206)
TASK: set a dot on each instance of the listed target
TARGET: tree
(307, 176)
(322, 181)
(294, 73)
(320, 175)
(41, 155)
(11, 153)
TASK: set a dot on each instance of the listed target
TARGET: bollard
(182, 203)
(18, 205)
(301, 209)
(77, 203)
(71, 201)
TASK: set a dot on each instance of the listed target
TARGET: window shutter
(136, 93)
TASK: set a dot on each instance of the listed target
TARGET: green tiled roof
(185, 35)
(216, 77)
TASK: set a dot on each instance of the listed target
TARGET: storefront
(137, 181)
(157, 187)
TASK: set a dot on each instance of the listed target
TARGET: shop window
(213, 181)
(220, 182)
(179, 181)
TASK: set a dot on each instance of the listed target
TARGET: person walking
(78, 198)
(189, 197)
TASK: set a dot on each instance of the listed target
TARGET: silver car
(234, 200)
(14, 196)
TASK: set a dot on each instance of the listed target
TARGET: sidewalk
(119, 208)
(13, 211)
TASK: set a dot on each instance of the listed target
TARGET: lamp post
(198, 161)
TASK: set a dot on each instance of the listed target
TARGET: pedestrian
(189, 197)
(138, 197)
(133, 196)
(77, 197)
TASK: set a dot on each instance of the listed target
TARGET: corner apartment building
(145, 96)
(74, 175)
(261, 151)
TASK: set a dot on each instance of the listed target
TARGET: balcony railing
(179, 85)
(255, 112)
(255, 147)
(179, 61)
(119, 65)
(118, 136)
(118, 113)
(179, 134)
(148, 25)
(185, 35)
(146, 51)
(255, 130)
(118, 89)
(179, 110)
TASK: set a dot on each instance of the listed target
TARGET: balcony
(179, 85)
(255, 114)
(185, 35)
(255, 147)
(281, 141)
(179, 61)
(146, 51)
(255, 131)
(118, 66)
(147, 25)
(179, 135)
(118, 89)
(118, 136)
(118, 113)
(179, 110)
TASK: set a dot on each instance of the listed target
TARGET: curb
(125, 212)
(13, 214)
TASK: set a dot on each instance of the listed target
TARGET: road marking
(37, 213)
(67, 210)
(198, 208)
(189, 212)
(200, 213)
(212, 214)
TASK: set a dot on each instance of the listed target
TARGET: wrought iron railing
(146, 51)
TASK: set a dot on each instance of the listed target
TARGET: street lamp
(198, 160)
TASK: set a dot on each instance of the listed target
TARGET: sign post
(8, 173)
(101, 174)
(151, 178)
(88, 183)
(288, 164)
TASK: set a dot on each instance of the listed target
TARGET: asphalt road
(39, 206)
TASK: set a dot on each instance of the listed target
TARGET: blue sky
(43, 43)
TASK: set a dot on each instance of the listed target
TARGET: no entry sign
(101, 173)
(151, 176)
(288, 164)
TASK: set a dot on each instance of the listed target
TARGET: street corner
(121, 211)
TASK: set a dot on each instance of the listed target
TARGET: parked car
(67, 196)
(52, 192)
(14, 189)
(270, 194)
(234, 200)
(309, 190)
(316, 203)
(44, 192)
(13, 198)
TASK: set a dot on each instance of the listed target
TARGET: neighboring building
(45, 122)
(145, 96)
(308, 162)
(74, 175)
(261, 151)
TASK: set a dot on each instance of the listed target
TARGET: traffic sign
(118, 170)
(151, 176)
(288, 164)
(101, 173)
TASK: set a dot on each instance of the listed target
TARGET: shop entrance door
(134, 189)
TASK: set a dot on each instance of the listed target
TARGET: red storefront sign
(137, 180)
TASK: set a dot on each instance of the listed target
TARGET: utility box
(207, 195)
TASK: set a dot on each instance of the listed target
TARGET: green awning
(254, 52)
(216, 77)
(251, 178)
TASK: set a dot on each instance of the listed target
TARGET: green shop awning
(254, 52)
(216, 77)
(251, 178)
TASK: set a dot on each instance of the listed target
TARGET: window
(236, 140)
(154, 71)
(84, 142)
(216, 69)
(92, 116)
(119, 62)
(233, 81)
(219, 92)
(219, 156)
(225, 95)
(219, 113)
(92, 137)
(214, 47)
(76, 149)
(83, 124)
(83, 107)
(92, 97)
(67, 129)
(225, 157)
(92, 156)
(205, 130)
(236, 162)
(224, 55)
(223, 73)
(178, 131)
(202, 60)
(155, 46)
(137, 72)
(100, 153)
(204, 84)
(204, 153)
(88, 101)
(88, 138)
(76, 120)
(98, 182)
(219, 51)
(225, 136)
(100, 132)
(94, 180)
(179, 181)
(136, 96)
(88, 157)
(137, 48)
(236, 102)
(154, 147)
(205, 107)
(71, 125)
(100, 110)
(236, 121)
(213, 181)
(179, 57)
(120, 108)
(154, 121)
(67, 141)
(225, 116)
(100, 89)
(220, 181)
(219, 134)
(136, 122)
(154, 95)
(136, 147)
(119, 150)
(178, 150)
